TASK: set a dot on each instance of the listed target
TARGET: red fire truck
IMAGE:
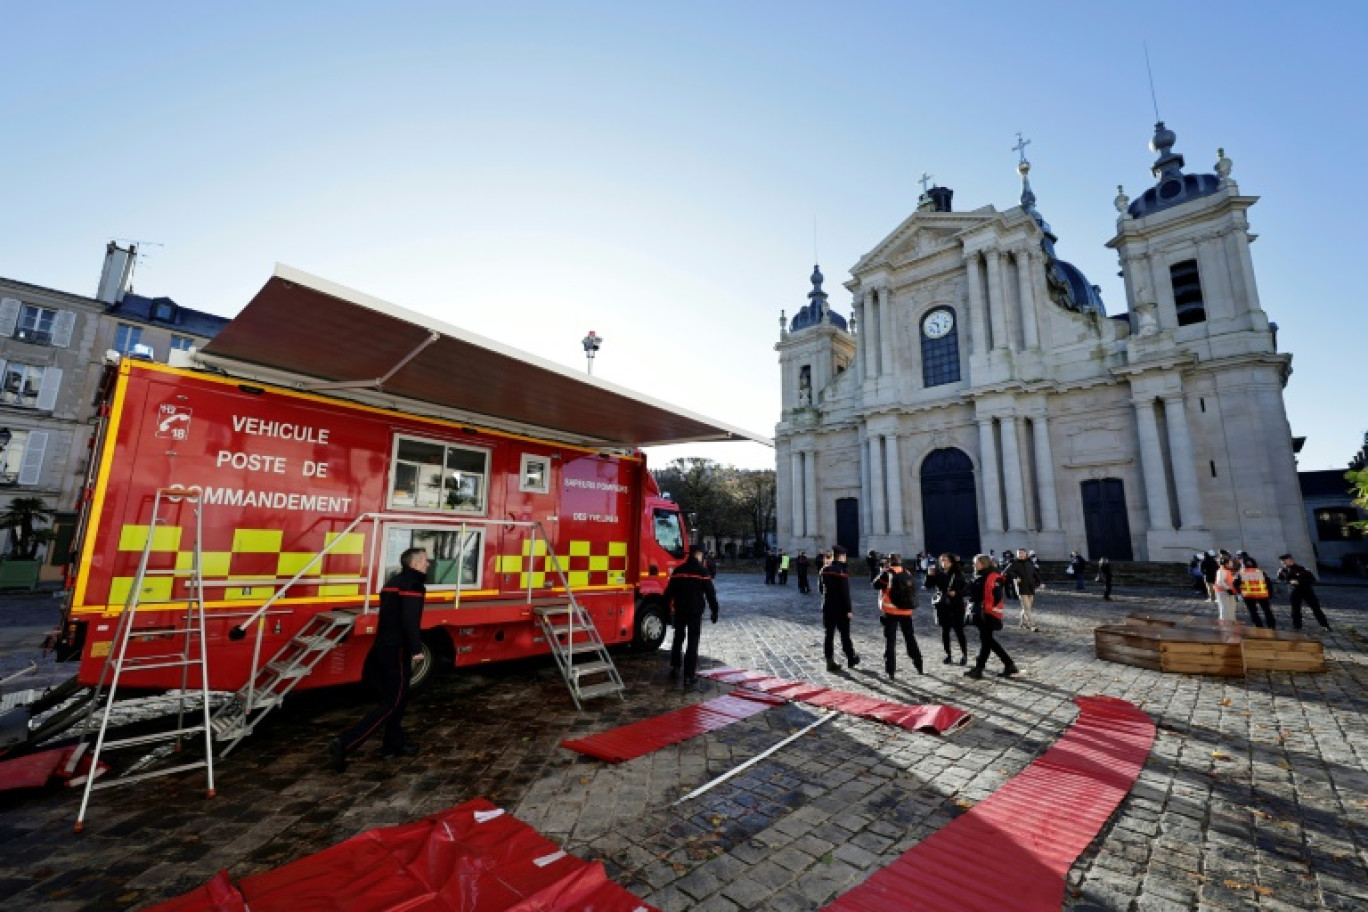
(321, 434)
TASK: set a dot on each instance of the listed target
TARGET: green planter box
(19, 574)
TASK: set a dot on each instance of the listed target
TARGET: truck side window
(536, 474)
(668, 533)
(432, 475)
(456, 559)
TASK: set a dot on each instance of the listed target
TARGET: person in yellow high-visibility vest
(1254, 589)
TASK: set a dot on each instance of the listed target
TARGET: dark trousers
(987, 626)
(1106, 588)
(837, 623)
(951, 618)
(1253, 606)
(389, 669)
(892, 623)
(803, 582)
(783, 576)
(688, 627)
(1312, 602)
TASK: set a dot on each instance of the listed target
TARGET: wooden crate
(1275, 650)
(1205, 646)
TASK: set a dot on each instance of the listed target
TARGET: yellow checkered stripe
(255, 554)
(586, 563)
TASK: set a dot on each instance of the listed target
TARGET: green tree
(755, 498)
(1357, 476)
(23, 518)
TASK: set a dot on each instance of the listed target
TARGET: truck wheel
(651, 624)
(437, 658)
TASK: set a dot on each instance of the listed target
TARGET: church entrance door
(1104, 518)
(949, 505)
(848, 525)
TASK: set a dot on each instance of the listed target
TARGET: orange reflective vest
(886, 596)
(1253, 583)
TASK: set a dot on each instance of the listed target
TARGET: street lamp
(591, 344)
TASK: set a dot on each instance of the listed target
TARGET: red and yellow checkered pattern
(586, 564)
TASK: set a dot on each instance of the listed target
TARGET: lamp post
(591, 344)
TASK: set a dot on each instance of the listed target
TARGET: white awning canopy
(301, 326)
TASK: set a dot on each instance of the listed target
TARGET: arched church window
(940, 347)
(1187, 292)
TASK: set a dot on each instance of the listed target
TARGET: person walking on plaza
(801, 565)
(1026, 578)
(389, 665)
(872, 563)
(771, 567)
(1303, 585)
(690, 590)
(1254, 589)
(1209, 566)
(783, 568)
(985, 605)
(1077, 567)
(1224, 587)
(1104, 576)
(945, 582)
(897, 599)
(836, 610)
(710, 564)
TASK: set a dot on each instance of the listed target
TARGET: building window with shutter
(35, 324)
(21, 456)
(127, 337)
(21, 385)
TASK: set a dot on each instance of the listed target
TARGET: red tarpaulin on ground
(68, 765)
(931, 719)
(1014, 849)
(471, 858)
(631, 741)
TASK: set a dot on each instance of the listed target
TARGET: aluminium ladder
(193, 654)
(267, 688)
(571, 634)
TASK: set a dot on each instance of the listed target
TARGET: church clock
(938, 324)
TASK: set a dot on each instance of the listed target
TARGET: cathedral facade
(980, 397)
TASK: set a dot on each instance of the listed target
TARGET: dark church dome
(1085, 294)
(1173, 187)
(812, 313)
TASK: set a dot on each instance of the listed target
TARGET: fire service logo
(173, 421)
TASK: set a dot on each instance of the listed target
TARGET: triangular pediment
(920, 234)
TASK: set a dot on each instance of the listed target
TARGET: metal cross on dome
(1020, 147)
(925, 179)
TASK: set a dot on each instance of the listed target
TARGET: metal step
(550, 610)
(580, 648)
(153, 738)
(598, 690)
(314, 643)
(589, 668)
(289, 669)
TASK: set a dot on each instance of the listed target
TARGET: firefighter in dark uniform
(389, 664)
(689, 591)
(835, 584)
(1303, 584)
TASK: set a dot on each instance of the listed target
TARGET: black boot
(832, 666)
(976, 673)
(337, 756)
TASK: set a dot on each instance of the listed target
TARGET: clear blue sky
(652, 171)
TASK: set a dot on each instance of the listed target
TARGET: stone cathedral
(980, 397)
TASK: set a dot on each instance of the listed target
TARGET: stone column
(1011, 468)
(1183, 459)
(796, 492)
(893, 474)
(1025, 261)
(1218, 295)
(992, 492)
(1152, 464)
(810, 494)
(867, 335)
(978, 332)
(878, 513)
(885, 332)
(997, 301)
(1049, 497)
(866, 515)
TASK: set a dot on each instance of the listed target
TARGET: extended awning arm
(378, 382)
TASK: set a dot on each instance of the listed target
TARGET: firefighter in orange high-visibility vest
(897, 598)
(1252, 584)
(985, 609)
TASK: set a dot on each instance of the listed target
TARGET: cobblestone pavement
(1255, 795)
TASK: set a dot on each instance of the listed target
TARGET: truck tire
(437, 658)
(652, 622)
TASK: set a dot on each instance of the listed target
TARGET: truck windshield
(668, 532)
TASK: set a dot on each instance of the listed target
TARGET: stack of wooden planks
(1201, 646)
